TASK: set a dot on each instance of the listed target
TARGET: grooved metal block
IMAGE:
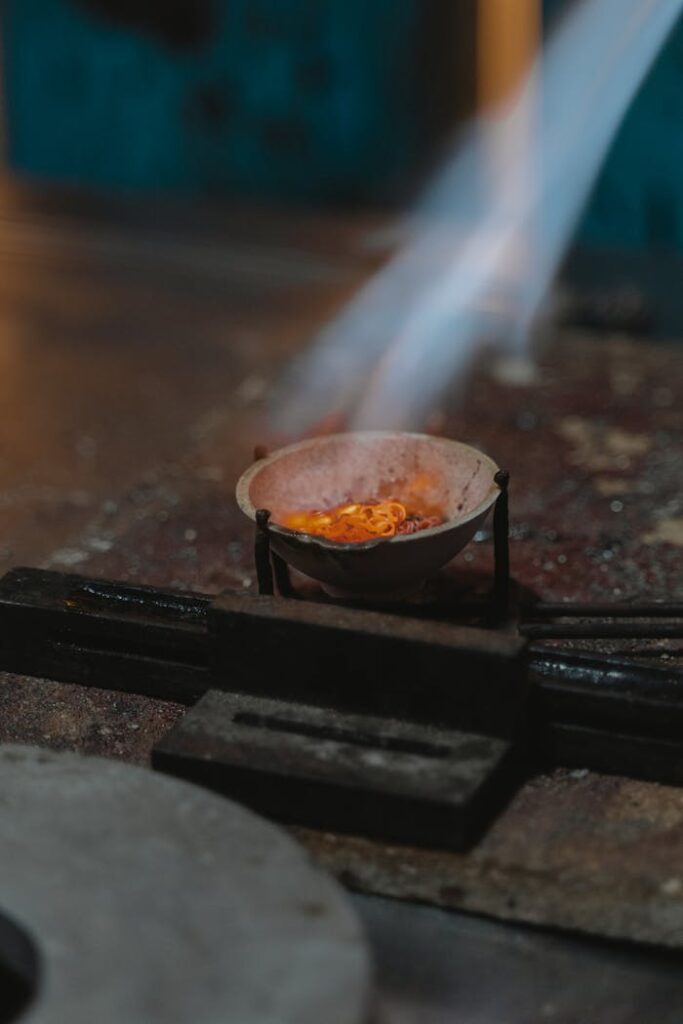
(359, 774)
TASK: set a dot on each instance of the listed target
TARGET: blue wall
(286, 97)
(638, 199)
(302, 98)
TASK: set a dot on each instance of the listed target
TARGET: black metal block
(368, 662)
(606, 692)
(359, 774)
(654, 759)
(76, 629)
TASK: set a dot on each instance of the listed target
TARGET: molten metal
(360, 521)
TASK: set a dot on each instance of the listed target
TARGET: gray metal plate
(150, 900)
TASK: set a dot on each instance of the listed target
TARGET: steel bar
(620, 630)
(501, 543)
(264, 570)
(283, 579)
(571, 609)
(605, 691)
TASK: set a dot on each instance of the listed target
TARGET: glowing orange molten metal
(357, 522)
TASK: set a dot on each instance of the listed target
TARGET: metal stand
(264, 570)
(271, 569)
(501, 548)
(268, 563)
(282, 578)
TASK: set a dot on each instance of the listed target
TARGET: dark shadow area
(180, 24)
(435, 967)
(19, 971)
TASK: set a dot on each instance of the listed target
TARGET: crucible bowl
(327, 471)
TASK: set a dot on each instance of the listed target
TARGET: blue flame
(482, 249)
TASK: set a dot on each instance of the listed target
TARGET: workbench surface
(138, 348)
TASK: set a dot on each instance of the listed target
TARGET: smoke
(479, 254)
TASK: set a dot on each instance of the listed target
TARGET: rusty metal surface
(91, 721)
(574, 850)
(593, 438)
(593, 442)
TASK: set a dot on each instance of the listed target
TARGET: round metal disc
(151, 900)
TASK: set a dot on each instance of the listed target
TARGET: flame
(479, 254)
(355, 522)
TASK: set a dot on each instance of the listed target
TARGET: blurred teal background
(638, 199)
(316, 100)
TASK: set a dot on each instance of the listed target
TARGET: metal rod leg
(501, 546)
(282, 577)
(264, 571)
